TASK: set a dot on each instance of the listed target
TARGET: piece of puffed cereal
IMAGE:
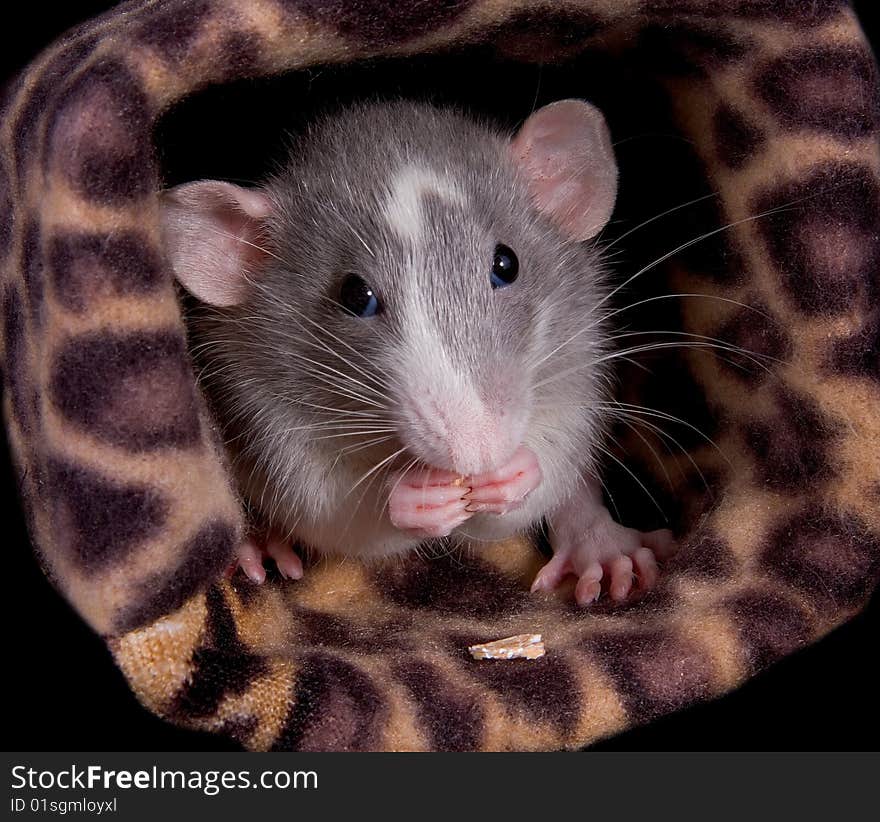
(521, 646)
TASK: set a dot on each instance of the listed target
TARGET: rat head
(412, 274)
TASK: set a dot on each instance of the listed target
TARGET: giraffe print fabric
(123, 479)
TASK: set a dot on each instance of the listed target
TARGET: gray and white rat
(400, 333)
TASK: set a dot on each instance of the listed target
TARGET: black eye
(505, 266)
(357, 297)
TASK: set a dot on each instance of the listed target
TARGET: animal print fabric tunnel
(123, 480)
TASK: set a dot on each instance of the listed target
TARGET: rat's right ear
(212, 233)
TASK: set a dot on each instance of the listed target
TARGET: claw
(506, 488)
(427, 503)
(251, 553)
(602, 554)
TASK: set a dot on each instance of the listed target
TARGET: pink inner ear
(212, 235)
(565, 151)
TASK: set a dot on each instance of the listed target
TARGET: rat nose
(463, 435)
(476, 449)
(474, 441)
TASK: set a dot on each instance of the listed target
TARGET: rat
(400, 333)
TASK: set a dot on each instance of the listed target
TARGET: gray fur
(328, 207)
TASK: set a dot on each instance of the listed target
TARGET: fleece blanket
(124, 481)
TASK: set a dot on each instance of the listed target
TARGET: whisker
(406, 469)
(639, 349)
(353, 449)
(641, 485)
(659, 216)
(355, 434)
(243, 241)
(663, 435)
(753, 356)
(653, 265)
(752, 218)
(367, 415)
(647, 300)
(347, 451)
(324, 346)
(338, 373)
(651, 448)
(652, 412)
(627, 352)
(376, 468)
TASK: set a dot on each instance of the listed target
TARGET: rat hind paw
(251, 553)
(606, 556)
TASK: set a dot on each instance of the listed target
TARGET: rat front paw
(606, 555)
(427, 503)
(251, 552)
(505, 489)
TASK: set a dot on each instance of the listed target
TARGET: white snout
(462, 433)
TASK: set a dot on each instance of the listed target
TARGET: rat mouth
(394, 458)
(461, 434)
(456, 435)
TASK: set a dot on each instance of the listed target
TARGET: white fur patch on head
(403, 209)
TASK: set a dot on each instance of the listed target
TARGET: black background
(63, 692)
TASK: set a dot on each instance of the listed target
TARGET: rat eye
(357, 296)
(505, 266)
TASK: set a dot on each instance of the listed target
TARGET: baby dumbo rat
(400, 332)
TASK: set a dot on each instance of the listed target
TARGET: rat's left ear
(565, 151)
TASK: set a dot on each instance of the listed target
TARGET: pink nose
(479, 458)
(475, 439)
(451, 425)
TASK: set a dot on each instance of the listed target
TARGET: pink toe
(661, 542)
(621, 578)
(289, 564)
(250, 559)
(505, 489)
(493, 508)
(646, 568)
(427, 478)
(428, 496)
(432, 521)
(254, 570)
(549, 577)
(500, 497)
(522, 468)
(587, 591)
